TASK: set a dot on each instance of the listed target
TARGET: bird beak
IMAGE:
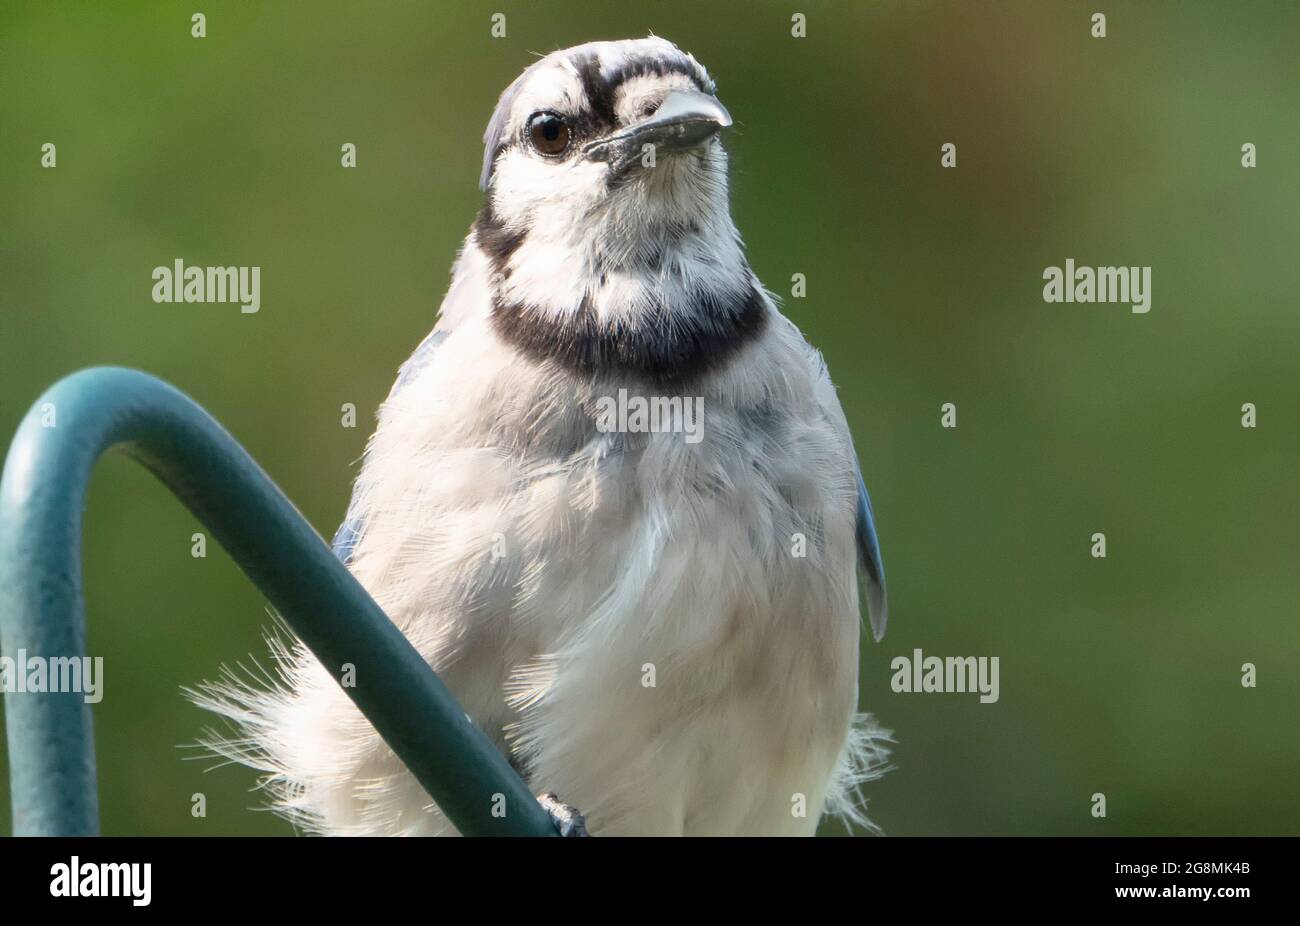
(685, 119)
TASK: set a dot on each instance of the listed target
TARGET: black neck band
(666, 345)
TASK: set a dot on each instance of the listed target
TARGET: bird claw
(567, 819)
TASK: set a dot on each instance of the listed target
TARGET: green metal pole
(42, 494)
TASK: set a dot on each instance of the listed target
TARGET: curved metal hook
(42, 492)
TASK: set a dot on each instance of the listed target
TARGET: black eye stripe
(598, 94)
(599, 91)
(659, 68)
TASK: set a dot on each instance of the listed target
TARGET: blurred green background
(1119, 675)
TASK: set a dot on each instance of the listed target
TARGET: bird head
(604, 126)
(607, 223)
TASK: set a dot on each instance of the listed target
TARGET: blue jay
(662, 632)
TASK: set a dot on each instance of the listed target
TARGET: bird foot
(567, 819)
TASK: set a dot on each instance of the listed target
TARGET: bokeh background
(1119, 675)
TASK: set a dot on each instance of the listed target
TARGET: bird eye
(548, 133)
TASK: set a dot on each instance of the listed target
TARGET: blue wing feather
(345, 539)
(869, 560)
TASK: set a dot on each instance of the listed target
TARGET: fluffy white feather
(548, 571)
